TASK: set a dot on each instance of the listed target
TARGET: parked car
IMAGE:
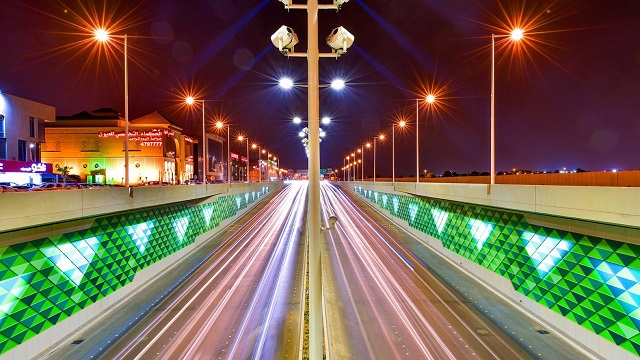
(5, 188)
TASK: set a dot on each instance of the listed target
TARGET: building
(22, 133)
(92, 145)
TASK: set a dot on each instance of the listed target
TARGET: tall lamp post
(381, 137)
(220, 125)
(339, 40)
(401, 124)
(344, 169)
(362, 157)
(354, 166)
(268, 174)
(430, 99)
(516, 35)
(103, 36)
(242, 138)
(190, 100)
(256, 146)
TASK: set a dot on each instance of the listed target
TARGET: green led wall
(590, 280)
(44, 281)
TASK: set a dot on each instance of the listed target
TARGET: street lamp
(430, 99)
(339, 40)
(268, 175)
(516, 35)
(352, 161)
(256, 146)
(103, 36)
(359, 162)
(220, 125)
(241, 139)
(191, 100)
(400, 124)
(381, 137)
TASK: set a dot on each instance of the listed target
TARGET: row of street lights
(103, 36)
(430, 99)
(190, 100)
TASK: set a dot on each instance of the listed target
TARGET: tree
(64, 171)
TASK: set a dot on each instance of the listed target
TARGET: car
(6, 189)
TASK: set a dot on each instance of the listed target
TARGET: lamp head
(340, 40)
(517, 34)
(101, 35)
(284, 38)
(430, 98)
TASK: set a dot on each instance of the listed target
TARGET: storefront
(93, 146)
(23, 172)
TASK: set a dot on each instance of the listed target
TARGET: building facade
(92, 144)
(22, 133)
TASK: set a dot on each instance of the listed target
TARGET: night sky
(568, 95)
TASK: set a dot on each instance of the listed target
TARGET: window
(2, 127)
(33, 152)
(3, 149)
(32, 126)
(22, 150)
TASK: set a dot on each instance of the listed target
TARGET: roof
(99, 114)
(155, 119)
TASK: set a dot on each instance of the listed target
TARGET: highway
(382, 303)
(245, 302)
(380, 300)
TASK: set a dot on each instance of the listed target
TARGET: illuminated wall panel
(590, 280)
(44, 281)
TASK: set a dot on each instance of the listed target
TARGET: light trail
(233, 306)
(395, 307)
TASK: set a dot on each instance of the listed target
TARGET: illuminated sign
(188, 139)
(152, 137)
(25, 167)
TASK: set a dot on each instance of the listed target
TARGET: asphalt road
(385, 297)
(243, 303)
(383, 302)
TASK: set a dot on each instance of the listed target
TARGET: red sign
(25, 167)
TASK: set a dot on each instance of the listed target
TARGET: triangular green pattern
(49, 297)
(594, 283)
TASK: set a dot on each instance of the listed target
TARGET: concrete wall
(612, 205)
(592, 178)
(30, 209)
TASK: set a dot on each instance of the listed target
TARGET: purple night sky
(567, 96)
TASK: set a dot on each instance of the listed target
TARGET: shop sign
(25, 167)
(151, 138)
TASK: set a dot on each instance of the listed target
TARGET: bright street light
(516, 35)
(429, 99)
(339, 40)
(256, 146)
(337, 84)
(400, 124)
(190, 100)
(326, 120)
(286, 83)
(242, 138)
(297, 120)
(220, 125)
(103, 36)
